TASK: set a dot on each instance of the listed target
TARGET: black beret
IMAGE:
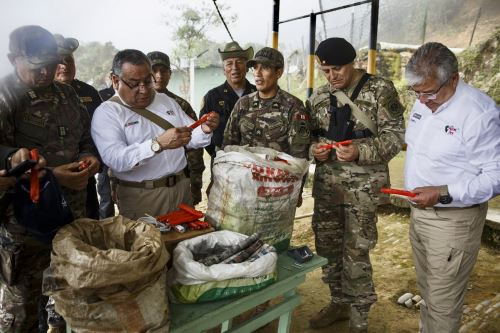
(335, 52)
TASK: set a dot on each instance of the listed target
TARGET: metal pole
(372, 51)
(312, 44)
(475, 25)
(191, 81)
(276, 19)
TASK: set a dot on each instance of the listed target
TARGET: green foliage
(480, 66)
(93, 63)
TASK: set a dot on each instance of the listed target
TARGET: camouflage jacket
(379, 99)
(280, 123)
(51, 119)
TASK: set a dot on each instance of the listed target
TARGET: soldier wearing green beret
(365, 109)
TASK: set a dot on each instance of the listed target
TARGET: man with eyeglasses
(144, 153)
(38, 112)
(453, 166)
(160, 63)
(269, 117)
(364, 109)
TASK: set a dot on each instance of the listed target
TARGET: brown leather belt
(167, 181)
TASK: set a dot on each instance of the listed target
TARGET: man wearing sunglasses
(141, 136)
(37, 112)
(453, 165)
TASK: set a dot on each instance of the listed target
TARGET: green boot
(330, 314)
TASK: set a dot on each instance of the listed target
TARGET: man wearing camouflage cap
(160, 63)
(37, 112)
(65, 73)
(365, 109)
(269, 117)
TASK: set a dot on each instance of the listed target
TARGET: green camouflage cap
(234, 50)
(66, 46)
(269, 57)
(35, 44)
(159, 58)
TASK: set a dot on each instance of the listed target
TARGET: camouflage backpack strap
(356, 112)
(146, 114)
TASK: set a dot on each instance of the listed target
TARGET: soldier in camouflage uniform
(36, 112)
(269, 117)
(347, 179)
(89, 97)
(160, 63)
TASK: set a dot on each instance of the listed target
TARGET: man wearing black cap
(160, 63)
(36, 112)
(365, 109)
(65, 73)
(269, 117)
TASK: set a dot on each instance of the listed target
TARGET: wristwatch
(155, 146)
(444, 196)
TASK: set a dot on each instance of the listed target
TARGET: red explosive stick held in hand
(34, 181)
(201, 120)
(400, 192)
(334, 145)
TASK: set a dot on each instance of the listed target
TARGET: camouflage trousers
(344, 234)
(22, 305)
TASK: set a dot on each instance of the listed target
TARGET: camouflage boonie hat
(234, 50)
(269, 57)
(159, 58)
(66, 46)
(35, 44)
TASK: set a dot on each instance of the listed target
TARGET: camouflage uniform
(194, 157)
(347, 193)
(54, 121)
(280, 123)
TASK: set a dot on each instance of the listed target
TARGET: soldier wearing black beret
(365, 110)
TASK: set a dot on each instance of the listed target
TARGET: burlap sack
(109, 276)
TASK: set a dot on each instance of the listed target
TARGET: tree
(93, 63)
(191, 34)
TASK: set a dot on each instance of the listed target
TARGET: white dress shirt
(123, 139)
(458, 145)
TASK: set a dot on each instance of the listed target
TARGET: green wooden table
(192, 318)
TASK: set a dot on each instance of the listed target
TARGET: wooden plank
(285, 307)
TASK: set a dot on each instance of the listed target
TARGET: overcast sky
(141, 24)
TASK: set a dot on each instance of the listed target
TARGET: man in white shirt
(453, 165)
(147, 160)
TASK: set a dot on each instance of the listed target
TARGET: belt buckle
(149, 184)
(171, 180)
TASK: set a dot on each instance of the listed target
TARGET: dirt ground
(394, 275)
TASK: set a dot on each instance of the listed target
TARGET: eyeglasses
(429, 96)
(147, 83)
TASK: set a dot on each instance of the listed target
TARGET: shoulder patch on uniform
(392, 104)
